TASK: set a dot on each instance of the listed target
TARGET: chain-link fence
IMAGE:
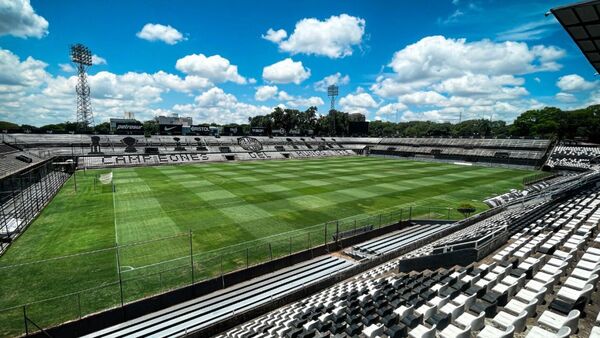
(115, 276)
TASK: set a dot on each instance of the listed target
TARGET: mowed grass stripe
(241, 193)
(223, 207)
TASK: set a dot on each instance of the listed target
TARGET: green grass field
(224, 214)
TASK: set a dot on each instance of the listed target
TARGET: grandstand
(513, 152)
(366, 251)
(574, 157)
(525, 264)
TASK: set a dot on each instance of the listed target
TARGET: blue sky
(225, 61)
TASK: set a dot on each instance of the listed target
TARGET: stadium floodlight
(80, 54)
(82, 57)
(332, 92)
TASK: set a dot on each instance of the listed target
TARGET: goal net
(106, 178)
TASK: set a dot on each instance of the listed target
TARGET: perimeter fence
(44, 293)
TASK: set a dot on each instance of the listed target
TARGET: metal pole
(192, 255)
(222, 278)
(79, 303)
(119, 272)
(25, 320)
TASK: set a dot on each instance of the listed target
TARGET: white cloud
(292, 101)
(574, 83)
(429, 98)
(390, 86)
(390, 109)
(215, 68)
(275, 35)
(565, 97)
(358, 103)
(447, 74)
(187, 84)
(17, 18)
(98, 60)
(158, 32)
(437, 57)
(333, 79)
(30, 72)
(498, 87)
(334, 37)
(66, 67)
(264, 93)
(215, 105)
(286, 71)
(29, 94)
(533, 30)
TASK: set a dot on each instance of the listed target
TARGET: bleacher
(574, 157)
(522, 152)
(395, 240)
(538, 285)
(13, 160)
(206, 310)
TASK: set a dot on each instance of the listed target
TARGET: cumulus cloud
(494, 87)
(447, 74)
(214, 105)
(286, 71)
(423, 98)
(333, 79)
(66, 67)
(275, 35)
(358, 103)
(158, 32)
(574, 83)
(30, 72)
(389, 109)
(215, 68)
(438, 57)
(334, 37)
(17, 18)
(29, 94)
(565, 97)
(98, 60)
(298, 101)
(264, 93)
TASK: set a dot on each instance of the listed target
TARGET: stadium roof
(582, 21)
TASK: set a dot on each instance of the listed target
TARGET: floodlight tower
(82, 57)
(332, 92)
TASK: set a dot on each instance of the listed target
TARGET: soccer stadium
(299, 224)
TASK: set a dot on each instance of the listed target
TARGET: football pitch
(175, 224)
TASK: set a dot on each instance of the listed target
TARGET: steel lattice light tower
(332, 92)
(82, 57)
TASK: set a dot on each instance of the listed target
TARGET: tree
(5, 125)
(102, 128)
(466, 209)
(150, 127)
